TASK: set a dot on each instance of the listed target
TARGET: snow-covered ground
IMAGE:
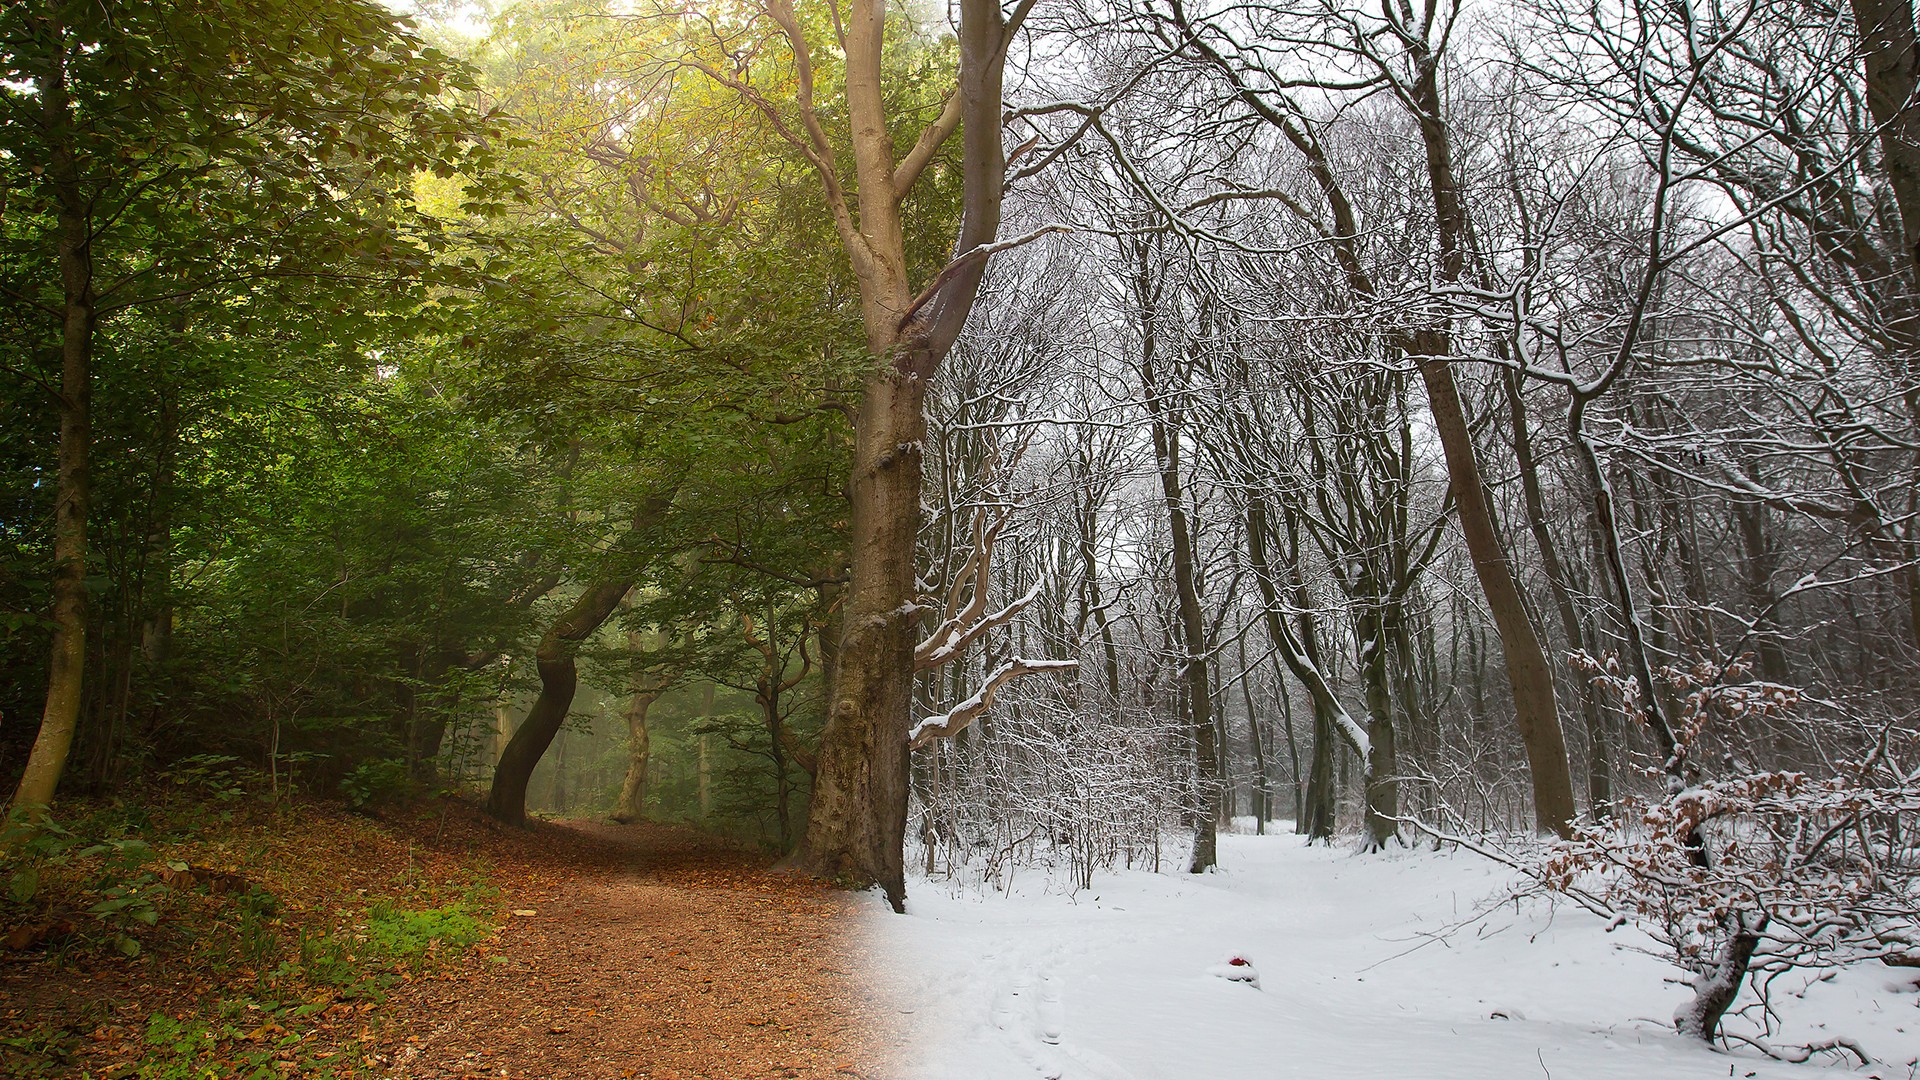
(1381, 966)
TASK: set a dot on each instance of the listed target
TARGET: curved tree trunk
(559, 678)
(553, 660)
(633, 789)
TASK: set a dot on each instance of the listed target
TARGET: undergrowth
(272, 931)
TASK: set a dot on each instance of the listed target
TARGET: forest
(939, 446)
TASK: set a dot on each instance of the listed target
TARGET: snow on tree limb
(953, 636)
(965, 617)
(955, 719)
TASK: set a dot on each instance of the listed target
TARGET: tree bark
(1599, 746)
(1257, 743)
(1892, 67)
(559, 678)
(1301, 654)
(1192, 633)
(633, 787)
(66, 669)
(856, 827)
(1383, 757)
(1719, 982)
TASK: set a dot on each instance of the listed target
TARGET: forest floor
(650, 951)
(429, 944)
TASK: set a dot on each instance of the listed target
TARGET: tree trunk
(1383, 761)
(1301, 654)
(856, 827)
(428, 698)
(1317, 818)
(1528, 672)
(553, 660)
(1892, 68)
(633, 789)
(777, 741)
(558, 680)
(1719, 982)
(66, 668)
(1257, 744)
(1090, 601)
(1192, 638)
(1599, 750)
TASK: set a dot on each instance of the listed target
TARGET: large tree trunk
(856, 826)
(1892, 67)
(1599, 746)
(1383, 760)
(1317, 814)
(72, 496)
(1528, 673)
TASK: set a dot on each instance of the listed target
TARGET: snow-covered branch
(958, 717)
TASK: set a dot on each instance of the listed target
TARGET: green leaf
(23, 884)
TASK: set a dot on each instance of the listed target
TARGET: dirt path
(650, 952)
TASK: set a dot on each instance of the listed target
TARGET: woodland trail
(654, 952)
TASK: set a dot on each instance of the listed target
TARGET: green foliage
(107, 882)
(380, 377)
(250, 169)
(219, 777)
(415, 939)
(374, 782)
(195, 1048)
(45, 1050)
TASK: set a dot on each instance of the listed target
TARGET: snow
(1404, 965)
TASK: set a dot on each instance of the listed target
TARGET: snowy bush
(1051, 786)
(1749, 875)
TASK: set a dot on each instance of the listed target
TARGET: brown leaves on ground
(625, 951)
(651, 952)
